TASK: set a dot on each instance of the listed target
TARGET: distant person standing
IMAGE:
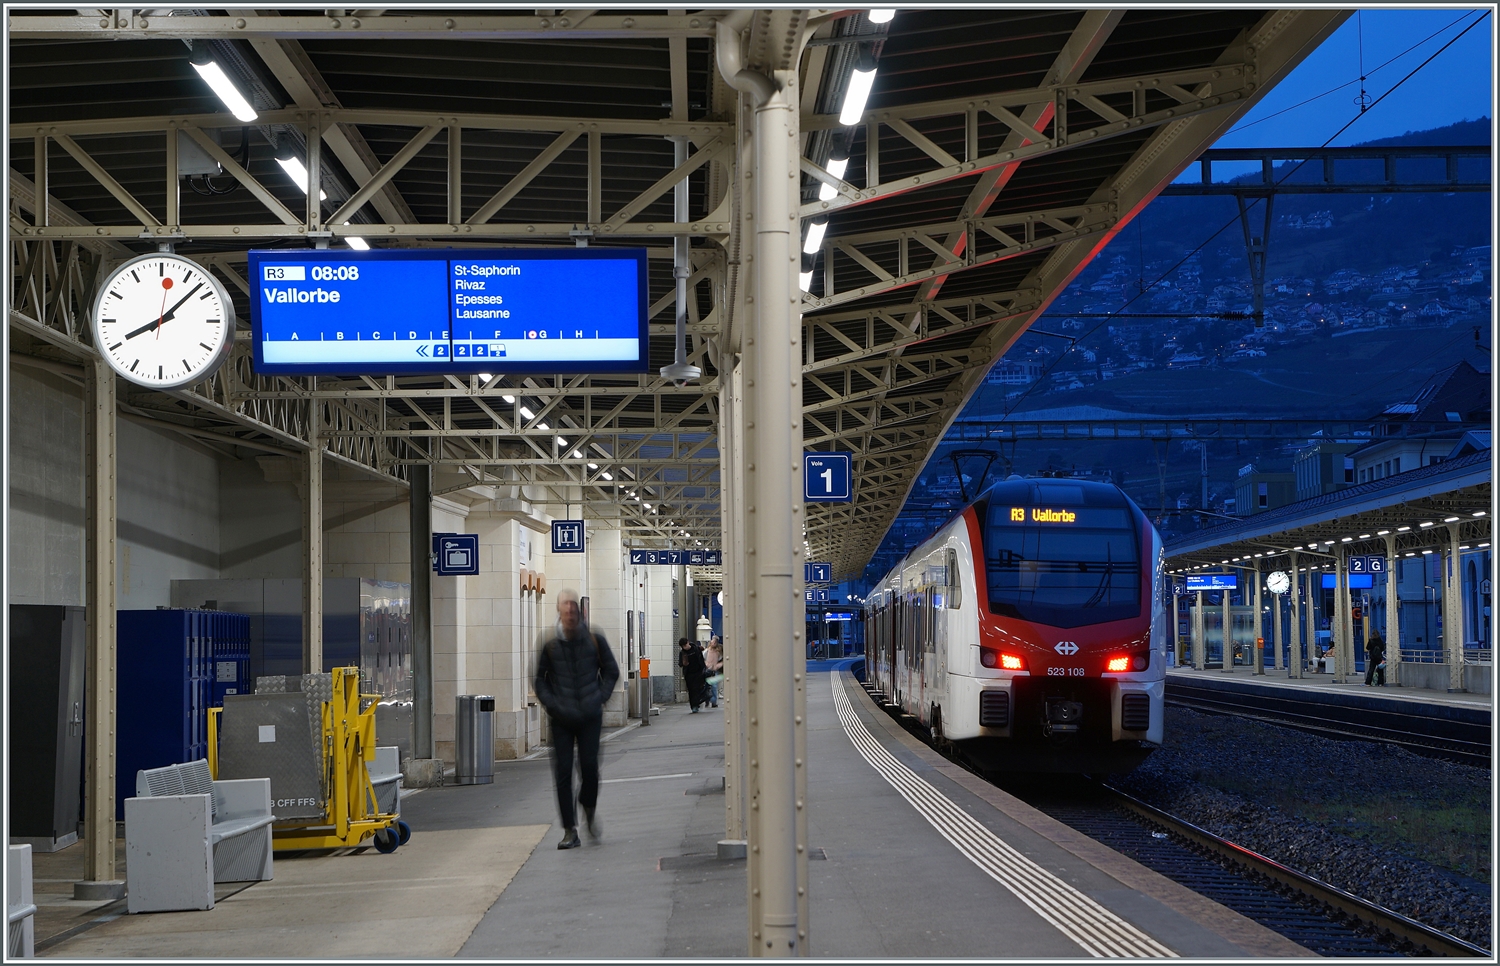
(575, 674)
(1375, 661)
(713, 660)
(690, 659)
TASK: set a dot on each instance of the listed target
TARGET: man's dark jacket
(575, 675)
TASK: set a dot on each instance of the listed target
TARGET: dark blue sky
(1456, 86)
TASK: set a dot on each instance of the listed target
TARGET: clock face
(163, 321)
(1278, 582)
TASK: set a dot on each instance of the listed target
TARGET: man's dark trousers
(586, 734)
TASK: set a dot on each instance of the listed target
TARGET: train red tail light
(1127, 662)
(989, 657)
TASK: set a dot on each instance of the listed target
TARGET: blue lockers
(172, 666)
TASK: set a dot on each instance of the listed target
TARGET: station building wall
(47, 509)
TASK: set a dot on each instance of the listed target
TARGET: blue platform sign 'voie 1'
(448, 311)
(827, 477)
(1212, 581)
(567, 536)
(817, 573)
(456, 554)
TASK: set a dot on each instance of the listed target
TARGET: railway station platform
(915, 858)
(1323, 685)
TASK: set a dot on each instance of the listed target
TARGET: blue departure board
(449, 311)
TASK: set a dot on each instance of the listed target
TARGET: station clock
(163, 321)
(1278, 582)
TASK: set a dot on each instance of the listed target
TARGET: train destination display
(449, 311)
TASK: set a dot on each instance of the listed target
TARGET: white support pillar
(99, 880)
(312, 545)
(1257, 664)
(1340, 620)
(1392, 615)
(1228, 618)
(1296, 660)
(1453, 615)
(1176, 627)
(1276, 636)
(732, 514)
(1200, 645)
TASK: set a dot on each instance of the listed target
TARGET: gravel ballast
(1282, 793)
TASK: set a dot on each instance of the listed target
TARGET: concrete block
(167, 853)
(422, 772)
(733, 848)
(102, 890)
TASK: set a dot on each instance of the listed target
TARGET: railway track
(1459, 737)
(1308, 911)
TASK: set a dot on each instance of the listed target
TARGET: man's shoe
(570, 840)
(596, 827)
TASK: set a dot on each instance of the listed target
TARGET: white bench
(20, 909)
(184, 832)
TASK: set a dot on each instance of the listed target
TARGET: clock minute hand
(172, 312)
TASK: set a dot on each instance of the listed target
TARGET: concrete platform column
(1257, 664)
(312, 544)
(1453, 615)
(1228, 611)
(99, 881)
(773, 466)
(1392, 615)
(1200, 646)
(1295, 658)
(1342, 623)
(1176, 626)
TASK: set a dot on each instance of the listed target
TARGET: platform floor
(914, 857)
(1324, 683)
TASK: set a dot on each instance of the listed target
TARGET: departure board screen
(449, 311)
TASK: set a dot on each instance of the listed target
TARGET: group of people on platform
(702, 671)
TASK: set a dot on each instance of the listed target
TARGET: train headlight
(1121, 663)
(989, 657)
(1127, 662)
(1012, 663)
(1139, 662)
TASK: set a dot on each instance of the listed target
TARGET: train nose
(1063, 716)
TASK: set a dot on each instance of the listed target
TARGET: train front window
(1062, 566)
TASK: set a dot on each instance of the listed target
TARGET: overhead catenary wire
(1228, 224)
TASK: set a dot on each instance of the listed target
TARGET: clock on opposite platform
(1278, 582)
(162, 321)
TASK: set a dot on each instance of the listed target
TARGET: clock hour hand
(143, 329)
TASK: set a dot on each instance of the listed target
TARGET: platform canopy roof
(999, 150)
(1415, 509)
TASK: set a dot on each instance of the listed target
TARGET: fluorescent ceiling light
(485, 376)
(593, 466)
(526, 413)
(815, 233)
(298, 173)
(360, 245)
(213, 75)
(860, 83)
(804, 279)
(577, 455)
(836, 167)
(561, 442)
(606, 476)
(883, 15)
(543, 425)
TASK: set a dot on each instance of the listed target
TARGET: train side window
(954, 592)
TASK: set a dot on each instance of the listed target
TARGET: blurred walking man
(575, 673)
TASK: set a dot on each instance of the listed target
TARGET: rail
(1419, 934)
(1472, 655)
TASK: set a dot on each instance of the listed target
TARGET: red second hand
(166, 284)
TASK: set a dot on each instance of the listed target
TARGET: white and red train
(1031, 630)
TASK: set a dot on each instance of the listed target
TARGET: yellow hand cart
(351, 812)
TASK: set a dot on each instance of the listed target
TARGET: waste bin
(475, 727)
